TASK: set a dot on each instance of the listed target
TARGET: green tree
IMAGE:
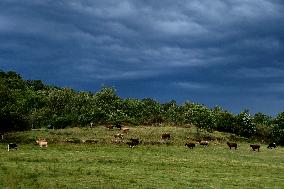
(172, 113)
(261, 118)
(277, 131)
(225, 121)
(199, 115)
(109, 105)
(246, 126)
(13, 103)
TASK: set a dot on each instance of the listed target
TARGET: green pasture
(152, 164)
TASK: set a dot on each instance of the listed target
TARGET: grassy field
(153, 164)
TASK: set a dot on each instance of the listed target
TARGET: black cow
(271, 145)
(190, 145)
(133, 142)
(117, 126)
(12, 146)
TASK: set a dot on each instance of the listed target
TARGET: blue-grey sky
(222, 52)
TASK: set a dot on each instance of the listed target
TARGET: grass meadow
(153, 164)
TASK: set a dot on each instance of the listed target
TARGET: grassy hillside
(147, 135)
(153, 164)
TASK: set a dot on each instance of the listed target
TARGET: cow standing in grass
(190, 145)
(119, 135)
(12, 146)
(232, 145)
(125, 129)
(117, 126)
(109, 127)
(134, 142)
(41, 143)
(271, 145)
(204, 143)
(255, 146)
(166, 136)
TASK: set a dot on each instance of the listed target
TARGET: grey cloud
(200, 46)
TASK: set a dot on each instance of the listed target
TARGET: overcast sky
(214, 52)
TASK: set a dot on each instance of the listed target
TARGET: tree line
(27, 104)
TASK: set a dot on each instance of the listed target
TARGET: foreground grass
(171, 165)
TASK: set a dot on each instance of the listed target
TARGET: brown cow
(255, 146)
(109, 127)
(232, 145)
(90, 141)
(166, 136)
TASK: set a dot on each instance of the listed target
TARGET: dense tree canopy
(27, 104)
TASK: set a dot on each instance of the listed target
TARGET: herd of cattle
(135, 141)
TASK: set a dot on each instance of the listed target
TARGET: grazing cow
(271, 145)
(232, 145)
(119, 135)
(125, 129)
(41, 143)
(134, 142)
(12, 146)
(90, 141)
(204, 143)
(117, 126)
(190, 145)
(109, 127)
(69, 140)
(255, 146)
(166, 136)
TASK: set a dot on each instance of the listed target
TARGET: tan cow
(125, 129)
(204, 143)
(41, 143)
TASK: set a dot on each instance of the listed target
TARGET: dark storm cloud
(213, 52)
